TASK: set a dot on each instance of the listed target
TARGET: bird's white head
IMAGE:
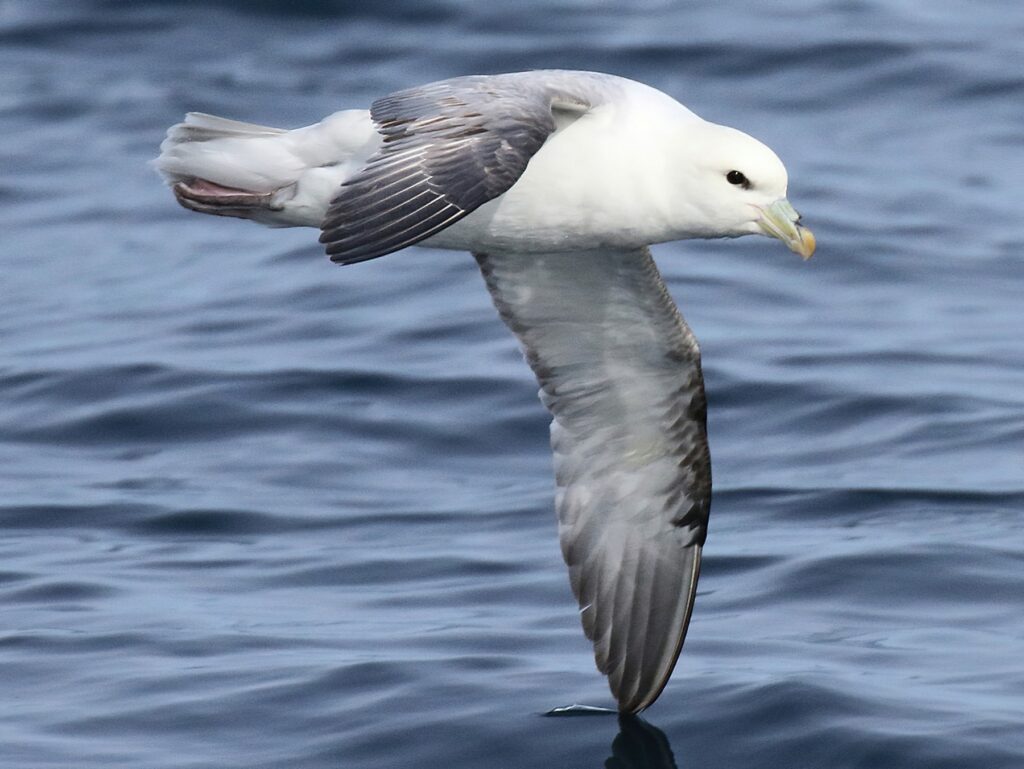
(737, 186)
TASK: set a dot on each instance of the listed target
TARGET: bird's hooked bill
(780, 220)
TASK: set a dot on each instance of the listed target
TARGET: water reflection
(639, 745)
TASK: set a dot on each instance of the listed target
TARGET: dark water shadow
(640, 745)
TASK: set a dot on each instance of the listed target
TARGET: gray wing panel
(620, 372)
(448, 148)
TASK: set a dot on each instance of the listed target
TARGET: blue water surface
(260, 511)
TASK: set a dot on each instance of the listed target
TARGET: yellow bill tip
(805, 244)
(780, 220)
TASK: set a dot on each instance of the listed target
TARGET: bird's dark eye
(737, 178)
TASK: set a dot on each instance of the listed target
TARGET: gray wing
(620, 372)
(448, 148)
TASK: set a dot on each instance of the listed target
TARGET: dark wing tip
(370, 235)
(644, 679)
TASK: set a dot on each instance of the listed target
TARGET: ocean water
(260, 511)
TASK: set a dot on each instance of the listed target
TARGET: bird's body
(557, 182)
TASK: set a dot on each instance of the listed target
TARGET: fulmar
(557, 182)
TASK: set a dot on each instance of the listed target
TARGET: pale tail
(277, 177)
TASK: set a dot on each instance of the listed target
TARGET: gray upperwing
(448, 148)
(620, 372)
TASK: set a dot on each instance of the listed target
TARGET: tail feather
(200, 127)
(277, 177)
(228, 153)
